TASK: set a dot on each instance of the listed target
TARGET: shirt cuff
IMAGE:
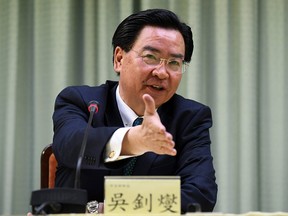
(114, 146)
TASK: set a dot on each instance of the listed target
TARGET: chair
(48, 167)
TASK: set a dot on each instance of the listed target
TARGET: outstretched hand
(151, 136)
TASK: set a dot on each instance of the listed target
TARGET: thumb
(149, 105)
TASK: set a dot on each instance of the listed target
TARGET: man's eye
(150, 59)
(149, 56)
(174, 63)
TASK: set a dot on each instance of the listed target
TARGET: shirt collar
(127, 114)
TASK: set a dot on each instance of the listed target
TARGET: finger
(149, 105)
(169, 137)
(167, 150)
(172, 152)
(165, 146)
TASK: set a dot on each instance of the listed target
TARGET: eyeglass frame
(183, 67)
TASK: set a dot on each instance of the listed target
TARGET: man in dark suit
(151, 52)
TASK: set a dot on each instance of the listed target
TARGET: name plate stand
(142, 195)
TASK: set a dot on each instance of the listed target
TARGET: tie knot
(137, 121)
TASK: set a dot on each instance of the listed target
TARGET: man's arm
(70, 120)
(195, 162)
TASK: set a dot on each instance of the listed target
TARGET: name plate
(142, 195)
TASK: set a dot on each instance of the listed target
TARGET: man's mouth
(157, 87)
(154, 85)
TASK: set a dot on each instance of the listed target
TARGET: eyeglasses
(173, 65)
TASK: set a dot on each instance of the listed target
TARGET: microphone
(92, 108)
(65, 200)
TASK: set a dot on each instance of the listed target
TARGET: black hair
(129, 29)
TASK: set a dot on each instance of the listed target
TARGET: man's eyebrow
(153, 49)
(149, 48)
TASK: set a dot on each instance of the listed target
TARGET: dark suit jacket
(188, 121)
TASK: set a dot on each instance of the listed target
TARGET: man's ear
(118, 56)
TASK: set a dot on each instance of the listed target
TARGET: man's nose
(160, 71)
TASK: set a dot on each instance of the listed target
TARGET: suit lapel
(112, 114)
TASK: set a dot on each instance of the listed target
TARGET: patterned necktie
(128, 169)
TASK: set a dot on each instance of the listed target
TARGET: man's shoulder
(181, 102)
(87, 88)
(107, 85)
(87, 93)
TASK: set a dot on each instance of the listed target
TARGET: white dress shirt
(114, 145)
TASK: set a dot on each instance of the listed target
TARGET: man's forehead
(156, 38)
